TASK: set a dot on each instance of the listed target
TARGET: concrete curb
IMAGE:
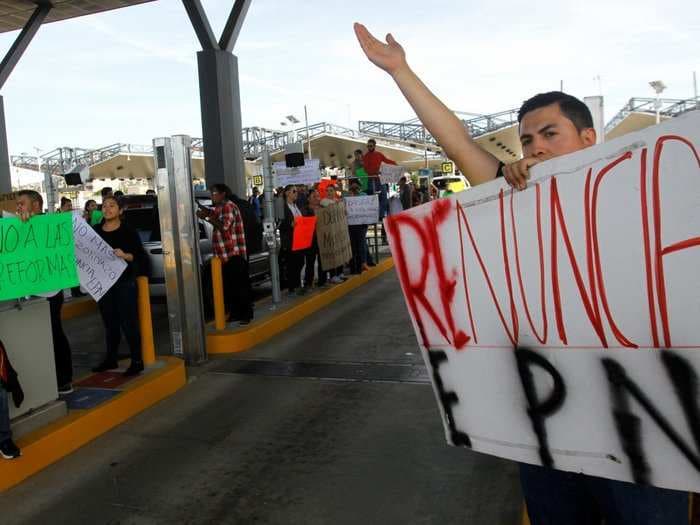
(55, 441)
(233, 341)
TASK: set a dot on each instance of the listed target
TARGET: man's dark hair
(571, 107)
(34, 196)
(105, 191)
(372, 141)
(222, 188)
(64, 200)
(118, 194)
(358, 151)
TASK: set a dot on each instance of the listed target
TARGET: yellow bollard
(148, 349)
(217, 283)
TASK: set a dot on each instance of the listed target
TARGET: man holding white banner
(550, 125)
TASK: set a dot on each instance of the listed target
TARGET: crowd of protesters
(237, 232)
(296, 201)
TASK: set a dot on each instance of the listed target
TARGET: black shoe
(133, 370)
(9, 450)
(65, 389)
(105, 365)
(372, 264)
(244, 322)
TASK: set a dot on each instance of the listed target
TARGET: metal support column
(5, 173)
(180, 243)
(269, 228)
(219, 95)
(6, 66)
(221, 119)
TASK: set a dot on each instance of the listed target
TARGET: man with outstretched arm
(550, 125)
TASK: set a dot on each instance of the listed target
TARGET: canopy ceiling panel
(15, 13)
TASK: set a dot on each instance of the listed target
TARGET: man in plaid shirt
(229, 245)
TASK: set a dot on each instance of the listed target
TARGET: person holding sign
(550, 125)
(312, 255)
(119, 306)
(294, 260)
(29, 204)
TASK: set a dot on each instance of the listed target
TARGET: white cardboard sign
(390, 174)
(308, 174)
(561, 324)
(98, 267)
(363, 209)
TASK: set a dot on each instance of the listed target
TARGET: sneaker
(336, 280)
(372, 264)
(105, 365)
(133, 370)
(65, 389)
(9, 450)
(343, 277)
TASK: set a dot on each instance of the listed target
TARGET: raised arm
(477, 164)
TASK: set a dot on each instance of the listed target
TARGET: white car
(449, 184)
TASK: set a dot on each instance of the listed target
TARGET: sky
(131, 75)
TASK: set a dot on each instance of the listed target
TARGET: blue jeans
(5, 432)
(555, 497)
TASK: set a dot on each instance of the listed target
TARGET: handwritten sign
(36, 256)
(560, 323)
(333, 236)
(390, 174)
(97, 265)
(362, 209)
(8, 202)
(309, 173)
(303, 237)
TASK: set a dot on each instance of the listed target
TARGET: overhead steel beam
(200, 23)
(22, 41)
(233, 25)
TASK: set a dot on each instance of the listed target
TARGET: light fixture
(292, 119)
(658, 86)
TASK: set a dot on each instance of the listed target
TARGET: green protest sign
(36, 256)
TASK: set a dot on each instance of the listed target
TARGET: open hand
(390, 56)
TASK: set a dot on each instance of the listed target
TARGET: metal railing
(413, 132)
(670, 107)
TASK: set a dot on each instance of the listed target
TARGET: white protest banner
(390, 174)
(309, 173)
(363, 209)
(98, 267)
(560, 323)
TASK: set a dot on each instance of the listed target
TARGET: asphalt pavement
(332, 422)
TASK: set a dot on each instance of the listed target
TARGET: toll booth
(25, 330)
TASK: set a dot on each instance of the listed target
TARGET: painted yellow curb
(51, 443)
(77, 307)
(232, 341)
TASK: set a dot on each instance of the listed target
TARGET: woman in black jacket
(119, 306)
(293, 260)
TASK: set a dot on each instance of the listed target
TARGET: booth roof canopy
(15, 13)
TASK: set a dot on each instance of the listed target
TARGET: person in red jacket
(372, 160)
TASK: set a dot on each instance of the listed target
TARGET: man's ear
(588, 136)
